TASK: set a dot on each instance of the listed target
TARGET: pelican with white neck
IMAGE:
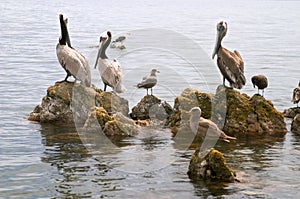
(110, 70)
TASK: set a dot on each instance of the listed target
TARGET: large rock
(150, 107)
(210, 165)
(69, 102)
(295, 127)
(235, 113)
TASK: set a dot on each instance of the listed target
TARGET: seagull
(110, 70)
(261, 82)
(296, 95)
(74, 63)
(149, 81)
(230, 64)
(206, 128)
(120, 40)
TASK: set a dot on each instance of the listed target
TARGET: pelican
(206, 128)
(110, 70)
(261, 82)
(74, 63)
(230, 64)
(296, 95)
(149, 81)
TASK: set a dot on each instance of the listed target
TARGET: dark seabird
(206, 128)
(296, 95)
(149, 81)
(261, 82)
(110, 70)
(74, 63)
(230, 64)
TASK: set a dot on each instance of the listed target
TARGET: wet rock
(67, 102)
(150, 107)
(291, 112)
(295, 127)
(111, 125)
(210, 165)
(235, 113)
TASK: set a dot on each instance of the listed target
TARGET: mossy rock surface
(150, 107)
(235, 113)
(210, 165)
(295, 127)
(67, 103)
(111, 125)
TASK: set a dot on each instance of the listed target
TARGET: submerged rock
(291, 112)
(150, 107)
(69, 102)
(210, 165)
(235, 113)
(295, 127)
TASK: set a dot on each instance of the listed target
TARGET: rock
(235, 113)
(69, 102)
(210, 165)
(150, 107)
(114, 125)
(295, 127)
(291, 112)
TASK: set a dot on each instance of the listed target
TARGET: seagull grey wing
(148, 82)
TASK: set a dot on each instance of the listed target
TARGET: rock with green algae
(69, 101)
(150, 107)
(235, 113)
(210, 165)
(295, 127)
(111, 125)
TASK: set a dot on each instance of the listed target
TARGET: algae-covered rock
(295, 127)
(291, 112)
(69, 102)
(110, 125)
(150, 107)
(210, 165)
(233, 112)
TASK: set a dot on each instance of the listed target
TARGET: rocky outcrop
(210, 165)
(295, 127)
(291, 112)
(235, 113)
(67, 102)
(150, 107)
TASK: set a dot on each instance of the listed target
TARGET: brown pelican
(206, 128)
(296, 95)
(110, 70)
(149, 81)
(74, 63)
(261, 82)
(230, 64)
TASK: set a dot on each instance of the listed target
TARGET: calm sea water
(177, 37)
